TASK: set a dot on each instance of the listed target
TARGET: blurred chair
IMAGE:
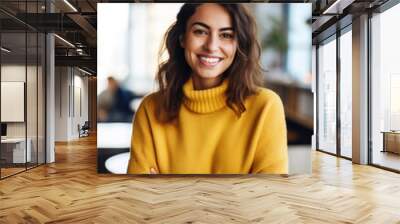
(84, 130)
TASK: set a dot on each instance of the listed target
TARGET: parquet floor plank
(70, 191)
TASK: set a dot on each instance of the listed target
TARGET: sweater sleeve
(142, 148)
(271, 155)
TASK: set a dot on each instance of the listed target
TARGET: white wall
(71, 103)
(61, 103)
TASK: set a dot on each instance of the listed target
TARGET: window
(346, 94)
(385, 89)
(327, 96)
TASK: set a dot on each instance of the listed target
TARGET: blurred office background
(129, 40)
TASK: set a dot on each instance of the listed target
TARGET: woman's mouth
(209, 61)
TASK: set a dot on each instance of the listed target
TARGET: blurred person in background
(211, 114)
(115, 103)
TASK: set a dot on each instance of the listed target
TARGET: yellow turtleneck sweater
(209, 138)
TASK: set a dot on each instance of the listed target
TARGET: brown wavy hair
(245, 73)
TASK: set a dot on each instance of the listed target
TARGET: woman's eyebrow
(208, 27)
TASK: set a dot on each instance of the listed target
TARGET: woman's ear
(181, 42)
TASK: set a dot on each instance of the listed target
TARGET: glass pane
(31, 86)
(41, 98)
(327, 97)
(13, 87)
(31, 98)
(346, 94)
(386, 89)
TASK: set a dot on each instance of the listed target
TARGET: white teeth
(210, 60)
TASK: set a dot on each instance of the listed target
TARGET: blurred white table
(18, 150)
(118, 164)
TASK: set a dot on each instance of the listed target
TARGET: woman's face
(210, 44)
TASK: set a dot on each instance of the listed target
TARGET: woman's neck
(205, 100)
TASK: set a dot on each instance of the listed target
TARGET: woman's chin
(208, 75)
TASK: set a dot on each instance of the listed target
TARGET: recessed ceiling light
(70, 5)
(64, 40)
(5, 50)
(84, 71)
(337, 7)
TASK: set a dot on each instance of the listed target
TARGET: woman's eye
(199, 32)
(227, 36)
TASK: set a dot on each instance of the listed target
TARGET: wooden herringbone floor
(70, 191)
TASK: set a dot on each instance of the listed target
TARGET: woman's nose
(212, 43)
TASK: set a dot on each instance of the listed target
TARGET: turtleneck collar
(204, 101)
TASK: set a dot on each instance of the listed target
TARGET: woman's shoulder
(151, 97)
(149, 101)
(265, 101)
(265, 97)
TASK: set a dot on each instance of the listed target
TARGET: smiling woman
(209, 44)
(210, 115)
